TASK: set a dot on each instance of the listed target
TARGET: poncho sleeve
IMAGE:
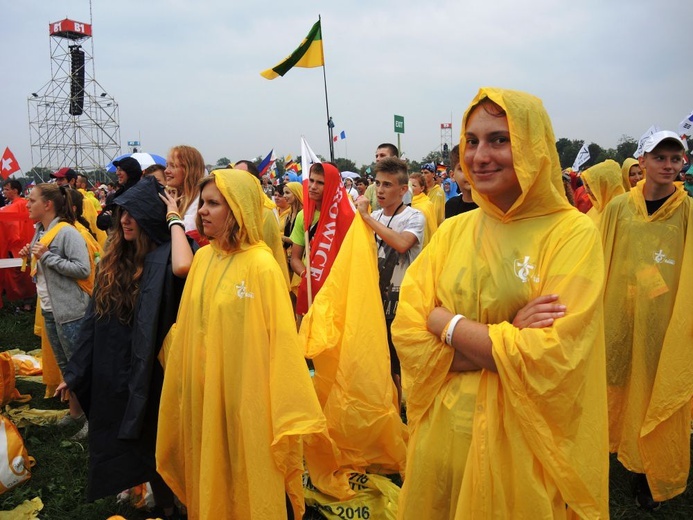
(425, 361)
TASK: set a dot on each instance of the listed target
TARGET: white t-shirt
(41, 287)
(189, 219)
(412, 221)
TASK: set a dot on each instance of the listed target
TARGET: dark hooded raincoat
(114, 371)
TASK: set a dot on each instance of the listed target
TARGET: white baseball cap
(655, 139)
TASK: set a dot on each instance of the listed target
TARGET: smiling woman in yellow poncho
(237, 396)
(510, 421)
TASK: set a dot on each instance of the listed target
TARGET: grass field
(59, 477)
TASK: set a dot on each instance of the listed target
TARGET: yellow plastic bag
(14, 460)
(26, 365)
(27, 510)
(23, 416)
(376, 498)
(8, 391)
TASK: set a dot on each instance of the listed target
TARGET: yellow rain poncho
(649, 336)
(437, 196)
(272, 234)
(296, 188)
(625, 171)
(425, 206)
(237, 396)
(531, 439)
(90, 210)
(605, 183)
(344, 333)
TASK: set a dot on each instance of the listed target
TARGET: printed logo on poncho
(242, 292)
(661, 258)
(523, 270)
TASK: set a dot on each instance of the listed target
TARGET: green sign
(399, 124)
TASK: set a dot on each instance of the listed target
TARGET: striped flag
(308, 55)
(267, 163)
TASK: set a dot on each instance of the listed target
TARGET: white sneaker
(68, 420)
(81, 434)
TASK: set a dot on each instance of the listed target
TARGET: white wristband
(451, 328)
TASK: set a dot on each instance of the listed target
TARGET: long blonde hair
(194, 167)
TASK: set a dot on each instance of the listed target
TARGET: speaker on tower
(76, 81)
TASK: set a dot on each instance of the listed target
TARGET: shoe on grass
(643, 495)
(68, 420)
(81, 434)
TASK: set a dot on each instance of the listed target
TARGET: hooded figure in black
(114, 371)
(129, 173)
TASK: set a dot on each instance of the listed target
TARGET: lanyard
(380, 242)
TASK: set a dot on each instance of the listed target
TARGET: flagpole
(330, 124)
(309, 288)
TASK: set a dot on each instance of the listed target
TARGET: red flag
(8, 164)
(336, 215)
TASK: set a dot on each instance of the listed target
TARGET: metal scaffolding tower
(446, 142)
(73, 121)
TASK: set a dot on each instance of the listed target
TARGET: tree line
(567, 152)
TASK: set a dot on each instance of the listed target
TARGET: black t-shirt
(654, 205)
(456, 205)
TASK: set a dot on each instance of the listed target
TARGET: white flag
(308, 157)
(686, 126)
(641, 143)
(582, 157)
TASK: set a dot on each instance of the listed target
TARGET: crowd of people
(536, 320)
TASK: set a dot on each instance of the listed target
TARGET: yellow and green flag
(308, 55)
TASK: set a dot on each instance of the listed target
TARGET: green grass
(59, 476)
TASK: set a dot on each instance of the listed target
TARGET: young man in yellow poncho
(421, 202)
(500, 335)
(648, 249)
(602, 182)
(237, 399)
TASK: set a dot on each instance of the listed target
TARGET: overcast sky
(187, 72)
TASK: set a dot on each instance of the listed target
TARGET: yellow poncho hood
(625, 171)
(535, 156)
(244, 195)
(605, 182)
(425, 206)
(296, 188)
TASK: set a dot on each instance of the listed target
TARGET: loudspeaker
(77, 81)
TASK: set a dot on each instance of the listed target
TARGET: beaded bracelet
(444, 332)
(171, 214)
